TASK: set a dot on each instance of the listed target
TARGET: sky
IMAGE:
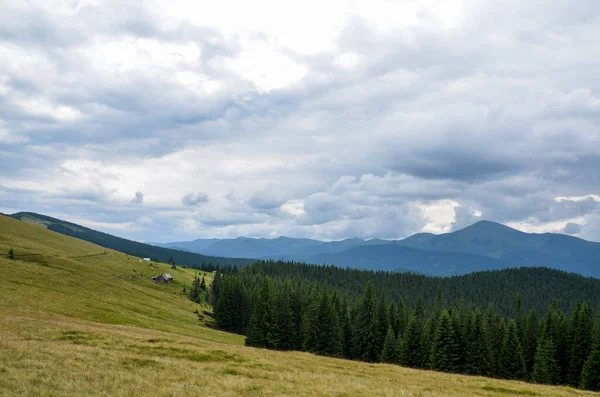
(176, 120)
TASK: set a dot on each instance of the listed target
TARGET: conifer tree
(402, 318)
(496, 332)
(394, 321)
(479, 358)
(231, 306)
(391, 348)
(263, 330)
(412, 342)
(590, 375)
(288, 329)
(215, 288)
(512, 362)
(367, 340)
(444, 352)
(202, 285)
(347, 338)
(383, 322)
(11, 254)
(581, 341)
(530, 339)
(329, 332)
(545, 369)
(310, 330)
(195, 290)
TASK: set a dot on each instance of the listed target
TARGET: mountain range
(484, 245)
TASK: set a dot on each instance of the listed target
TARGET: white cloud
(316, 119)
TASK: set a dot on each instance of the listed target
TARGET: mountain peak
(488, 226)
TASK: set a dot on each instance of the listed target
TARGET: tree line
(294, 312)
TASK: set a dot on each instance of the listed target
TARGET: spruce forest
(531, 324)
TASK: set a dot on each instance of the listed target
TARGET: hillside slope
(123, 245)
(75, 320)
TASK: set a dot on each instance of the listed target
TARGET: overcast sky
(170, 120)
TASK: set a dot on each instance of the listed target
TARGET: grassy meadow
(80, 320)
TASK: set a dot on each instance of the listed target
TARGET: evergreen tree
(367, 339)
(383, 323)
(288, 329)
(545, 369)
(230, 310)
(329, 332)
(496, 327)
(444, 352)
(519, 316)
(393, 319)
(11, 254)
(391, 349)
(512, 361)
(263, 330)
(195, 290)
(590, 375)
(530, 339)
(479, 358)
(582, 339)
(203, 285)
(412, 342)
(310, 329)
(347, 336)
(402, 318)
(215, 288)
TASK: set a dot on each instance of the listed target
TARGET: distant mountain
(494, 240)
(262, 248)
(482, 246)
(124, 245)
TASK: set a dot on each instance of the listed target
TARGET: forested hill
(127, 246)
(538, 287)
(531, 324)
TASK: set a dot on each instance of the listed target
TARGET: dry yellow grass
(74, 322)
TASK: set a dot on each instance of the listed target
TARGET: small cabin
(163, 278)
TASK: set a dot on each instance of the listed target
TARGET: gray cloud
(138, 199)
(192, 199)
(497, 113)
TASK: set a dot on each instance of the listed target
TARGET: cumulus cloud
(384, 119)
(192, 199)
(138, 199)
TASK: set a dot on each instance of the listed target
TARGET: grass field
(79, 320)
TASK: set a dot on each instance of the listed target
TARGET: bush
(11, 254)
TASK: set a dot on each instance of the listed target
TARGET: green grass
(79, 320)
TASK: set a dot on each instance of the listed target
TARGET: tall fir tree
(512, 362)
(391, 349)
(329, 332)
(582, 329)
(412, 343)
(367, 339)
(479, 358)
(383, 322)
(590, 375)
(531, 335)
(545, 369)
(393, 319)
(288, 329)
(263, 330)
(195, 290)
(444, 354)
(215, 288)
